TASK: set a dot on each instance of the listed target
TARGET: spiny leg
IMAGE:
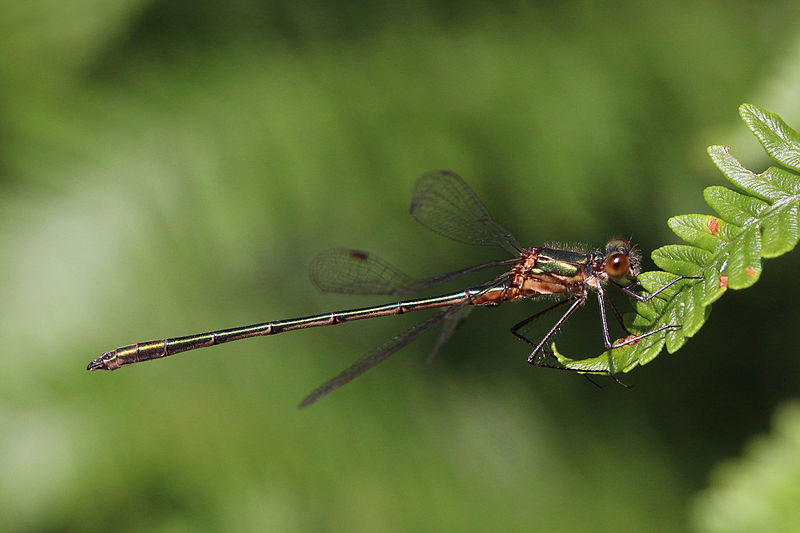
(606, 338)
(538, 360)
(630, 292)
(636, 338)
(603, 323)
(515, 330)
(537, 356)
(516, 327)
(576, 302)
(633, 339)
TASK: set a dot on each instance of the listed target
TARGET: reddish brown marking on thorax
(507, 294)
(723, 281)
(750, 271)
(519, 274)
(531, 284)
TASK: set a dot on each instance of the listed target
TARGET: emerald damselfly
(443, 202)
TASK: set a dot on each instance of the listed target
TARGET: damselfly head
(621, 260)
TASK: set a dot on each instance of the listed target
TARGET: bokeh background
(170, 167)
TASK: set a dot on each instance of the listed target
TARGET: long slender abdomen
(144, 351)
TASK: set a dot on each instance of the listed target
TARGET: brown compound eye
(617, 265)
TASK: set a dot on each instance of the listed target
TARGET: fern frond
(757, 220)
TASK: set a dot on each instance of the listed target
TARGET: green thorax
(560, 262)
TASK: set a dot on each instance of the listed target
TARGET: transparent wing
(445, 204)
(356, 272)
(451, 323)
(378, 355)
(349, 271)
(382, 352)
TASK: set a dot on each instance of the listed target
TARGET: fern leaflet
(757, 220)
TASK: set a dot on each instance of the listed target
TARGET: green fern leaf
(759, 220)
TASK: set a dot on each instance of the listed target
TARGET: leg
(538, 347)
(633, 339)
(577, 302)
(618, 316)
(539, 351)
(536, 357)
(603, 323)
(632, 294)
(517, 327)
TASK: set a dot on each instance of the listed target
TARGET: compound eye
(617, 265)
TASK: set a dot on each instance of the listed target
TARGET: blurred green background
(173, 167)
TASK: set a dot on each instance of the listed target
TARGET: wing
(349, 271)
(382, 352)
(378, 355)
(356, 272)
(445, 204)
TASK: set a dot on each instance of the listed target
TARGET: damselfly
(445, 204)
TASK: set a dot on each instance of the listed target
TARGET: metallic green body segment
(145, 351)
(561, 262)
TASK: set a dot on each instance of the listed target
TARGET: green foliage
(758, 220)
(760, 491)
